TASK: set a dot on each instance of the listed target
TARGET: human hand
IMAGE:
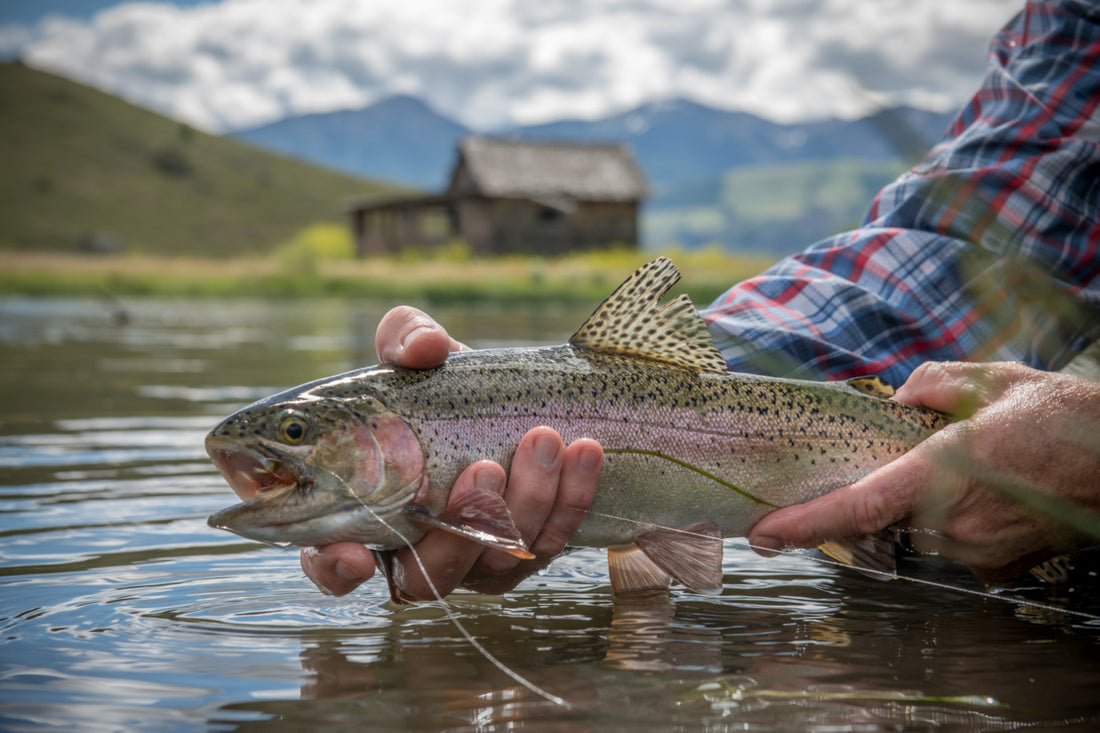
(1019, 428)
(548, 491)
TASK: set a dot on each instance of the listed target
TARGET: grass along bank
(445, 278)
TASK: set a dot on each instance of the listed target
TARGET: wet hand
(548, 491)
(1020, 431)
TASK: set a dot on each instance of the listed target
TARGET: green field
(78, 162)
(573, 278)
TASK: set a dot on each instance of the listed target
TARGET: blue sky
(226, 64)
(31, 11)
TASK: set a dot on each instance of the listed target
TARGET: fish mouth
(282, 504)
(263, 477)
(251, 472)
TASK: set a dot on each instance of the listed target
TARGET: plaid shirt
(986, 250)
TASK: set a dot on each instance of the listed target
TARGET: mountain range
(694, 156)
(402, 139)
(83, 162)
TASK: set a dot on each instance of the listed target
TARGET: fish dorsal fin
(873, 386)
(632, 321)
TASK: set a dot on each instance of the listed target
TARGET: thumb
(958, 388)
(410, 337)
(874, 502)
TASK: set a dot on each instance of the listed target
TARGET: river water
(121, 610)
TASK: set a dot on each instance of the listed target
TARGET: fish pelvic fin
(872, 553)
(633, 574)
(691, 555)
(632, 321)
(384, 560)
(482, 517)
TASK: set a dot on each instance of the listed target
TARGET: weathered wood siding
(518, 196)
(517, 225)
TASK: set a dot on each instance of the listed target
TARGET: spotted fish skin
(779, 441)
(684, 440)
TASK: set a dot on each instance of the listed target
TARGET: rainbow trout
(692, 452)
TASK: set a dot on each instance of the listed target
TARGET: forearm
(882, 301)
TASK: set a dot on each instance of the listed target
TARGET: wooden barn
(515, 196)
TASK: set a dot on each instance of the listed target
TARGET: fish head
(316, 470)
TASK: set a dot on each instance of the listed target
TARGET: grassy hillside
(79, 162)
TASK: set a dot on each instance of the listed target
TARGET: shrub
(320, 242)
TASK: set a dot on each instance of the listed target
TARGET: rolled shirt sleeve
(989, 249)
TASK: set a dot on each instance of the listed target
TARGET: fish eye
(293, 429)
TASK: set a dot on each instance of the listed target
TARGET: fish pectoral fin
(482, 517)
(692, 555)
(873, 553)
(633, 573)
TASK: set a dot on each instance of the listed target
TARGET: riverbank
(573, 278)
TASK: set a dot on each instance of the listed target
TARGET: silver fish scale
(679, 444)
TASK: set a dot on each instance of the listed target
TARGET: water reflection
(121, 610)
(653, 662)
(644, 636)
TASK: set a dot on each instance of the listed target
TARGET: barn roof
(535, 169)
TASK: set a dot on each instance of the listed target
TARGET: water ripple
(121, 610)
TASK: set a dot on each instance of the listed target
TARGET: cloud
(494, 62)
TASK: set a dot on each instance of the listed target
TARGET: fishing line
(449, 611)
(1037, 605)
